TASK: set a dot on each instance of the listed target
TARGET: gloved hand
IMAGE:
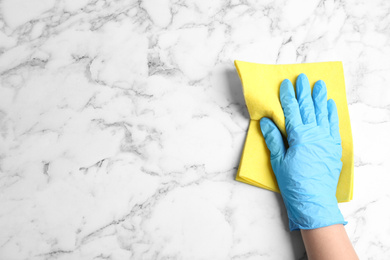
(308, 171)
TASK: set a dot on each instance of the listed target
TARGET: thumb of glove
(273, 138)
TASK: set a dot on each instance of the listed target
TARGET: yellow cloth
(261, 91)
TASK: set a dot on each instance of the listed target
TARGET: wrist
(312, 214)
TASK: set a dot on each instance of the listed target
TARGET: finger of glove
(273, 138)
(320, 104)
(334, 121)
(305, 100)
(290, 105)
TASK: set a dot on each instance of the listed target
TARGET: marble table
(122, 125)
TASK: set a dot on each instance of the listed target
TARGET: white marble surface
(122, 124)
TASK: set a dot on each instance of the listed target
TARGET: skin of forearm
(328, 243)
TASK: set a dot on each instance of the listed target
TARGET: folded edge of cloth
(261, 84)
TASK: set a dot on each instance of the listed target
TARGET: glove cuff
(297, 226)
(314, 215)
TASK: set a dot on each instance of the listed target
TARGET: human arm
(307, 171)
(328, 243)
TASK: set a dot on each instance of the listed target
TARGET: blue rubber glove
(308, 171)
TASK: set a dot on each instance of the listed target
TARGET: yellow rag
(261, 91)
